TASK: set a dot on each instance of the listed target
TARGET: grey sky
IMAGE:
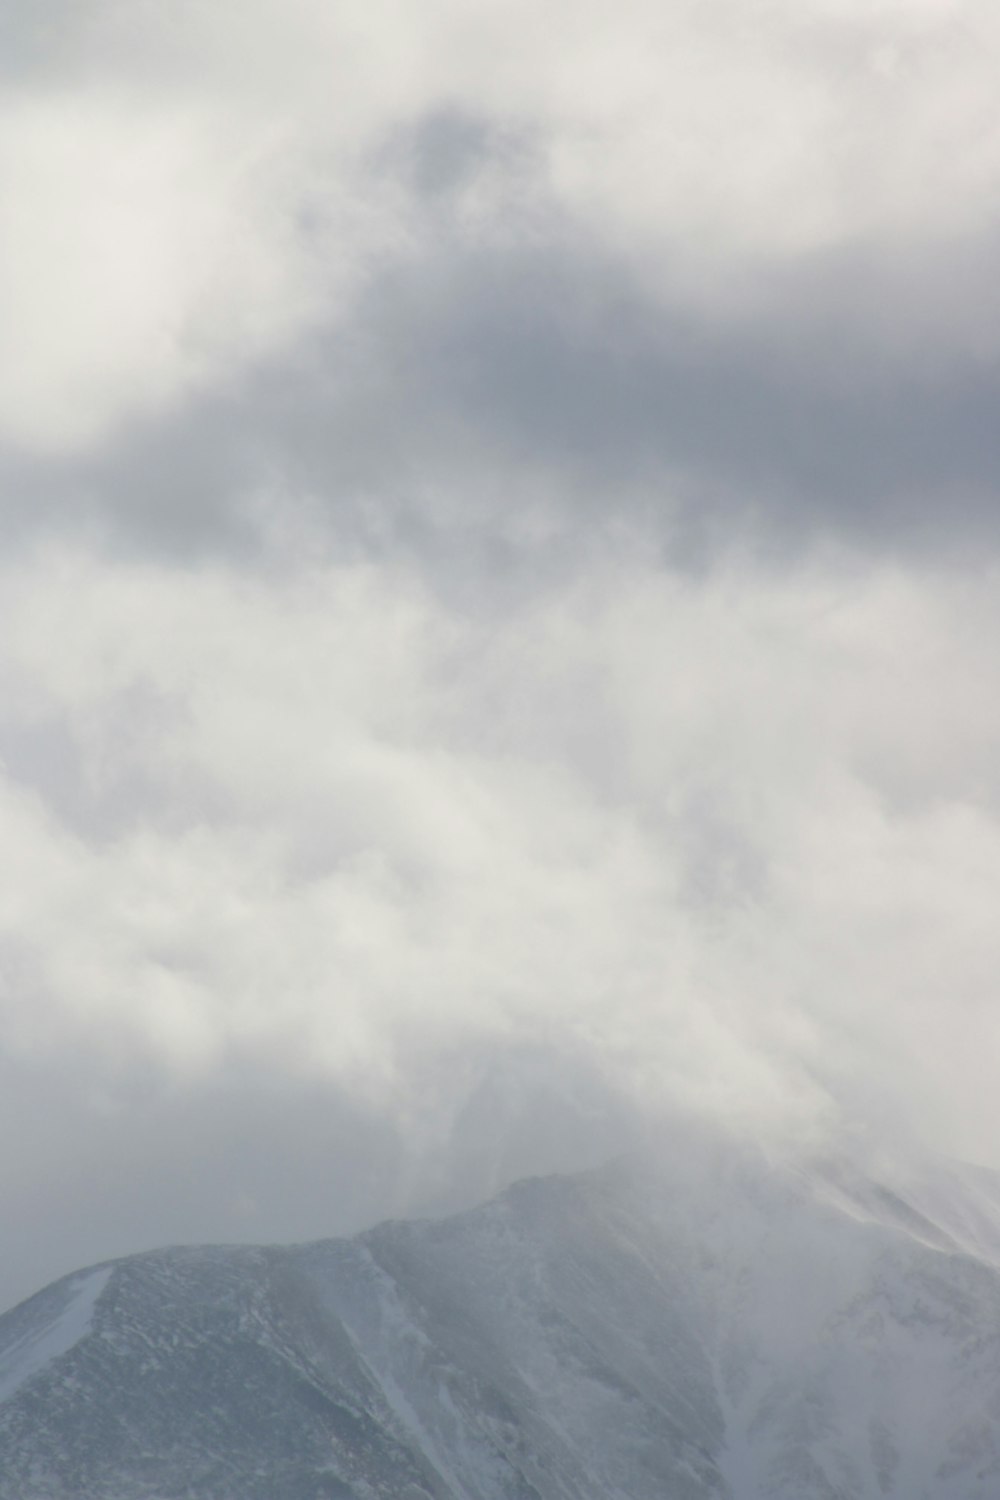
(498, 611)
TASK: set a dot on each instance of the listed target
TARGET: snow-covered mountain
(717, 1326)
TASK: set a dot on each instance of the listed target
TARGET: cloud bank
(498, 608)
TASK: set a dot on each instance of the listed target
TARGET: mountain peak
(702, 1322)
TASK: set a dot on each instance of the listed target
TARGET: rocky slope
(716, 1327)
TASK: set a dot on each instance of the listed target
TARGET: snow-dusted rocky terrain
(719, 1326)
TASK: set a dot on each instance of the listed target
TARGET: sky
(499, 611)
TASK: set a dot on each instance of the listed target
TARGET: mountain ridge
(709, 1326)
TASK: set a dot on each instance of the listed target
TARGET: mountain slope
(714, 1328)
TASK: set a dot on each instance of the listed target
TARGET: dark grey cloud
(466, 386)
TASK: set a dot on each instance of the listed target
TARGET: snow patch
(70, 1320)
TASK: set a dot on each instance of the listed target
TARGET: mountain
(716, 1326)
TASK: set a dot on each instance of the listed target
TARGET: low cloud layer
(729, 842)
(498, 608)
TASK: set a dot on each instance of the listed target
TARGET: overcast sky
(499, 611)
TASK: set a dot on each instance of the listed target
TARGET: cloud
(151, 247)
(497, 614)
(226, 179)
(721, 840)
(508, 403)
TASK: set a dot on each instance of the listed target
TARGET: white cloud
(654, 824)
(152, 248)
